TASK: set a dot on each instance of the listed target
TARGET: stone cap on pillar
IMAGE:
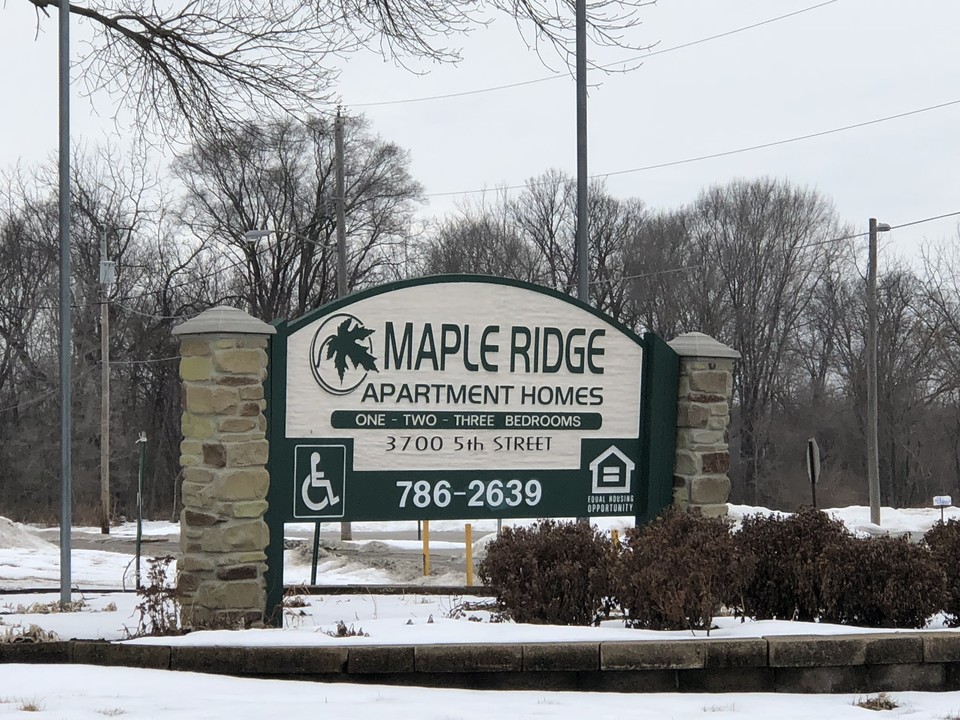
(697, 344)
(224, 319)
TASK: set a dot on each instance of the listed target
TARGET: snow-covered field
(26, 560)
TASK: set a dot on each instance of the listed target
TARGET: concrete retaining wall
(801, 664)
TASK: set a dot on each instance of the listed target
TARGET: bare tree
(201, 63)
(279, 176)
(545, 216)
(767, 244)
(480, 239)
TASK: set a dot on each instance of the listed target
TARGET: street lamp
(255, 235)
(873, 454)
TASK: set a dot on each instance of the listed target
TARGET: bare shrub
(783, 554)
(674, 573)
(550, 573)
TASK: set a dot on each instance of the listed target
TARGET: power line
(654, 53)
(725, 153)
(43, 396)
(925, 220)
(141, 313)
(145, 362)
(720, 35)
(786, 141)
(852, 236)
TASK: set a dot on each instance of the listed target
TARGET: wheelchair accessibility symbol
(316, 479)
(320, 474)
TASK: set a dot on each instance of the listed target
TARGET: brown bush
(783, 554)
(674, 573)
(880, 582)
(551, 573)
(943, 539)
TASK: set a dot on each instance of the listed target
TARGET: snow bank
(14, 535)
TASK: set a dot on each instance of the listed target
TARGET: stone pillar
(700, 480)
(223, 536)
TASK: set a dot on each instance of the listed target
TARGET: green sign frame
(315, 477)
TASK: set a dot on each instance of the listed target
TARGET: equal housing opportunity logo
(341, 354)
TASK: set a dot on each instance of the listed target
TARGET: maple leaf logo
(348, 344)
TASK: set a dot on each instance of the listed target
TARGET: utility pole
(346, 529)
(873, 454)
(106, 280)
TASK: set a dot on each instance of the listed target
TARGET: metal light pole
(583, 250)
(340, 202)
(346, 529)
(873, 456)
(66, 493)
(583, 247)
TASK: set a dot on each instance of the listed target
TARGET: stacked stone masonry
(705, 389)
(223, 456)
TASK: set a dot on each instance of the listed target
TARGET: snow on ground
(895, 521)
(15, 535)
(91, 692)
(149, 528)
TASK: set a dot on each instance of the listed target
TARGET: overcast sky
(846, 62)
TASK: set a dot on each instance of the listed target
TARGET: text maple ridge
(521, 349)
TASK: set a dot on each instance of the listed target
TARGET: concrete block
(218, 660)
(726, 680)
(57, 652)
(941, 647)
(547, 657)
(746, 653)
(468, 658)
(811, 680)
(908, 676)
(888, 648)
(274, 661)
(633, 681)
(817, 650)
(99, 652)
(380, 659)
(652, 655)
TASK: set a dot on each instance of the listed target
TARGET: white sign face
(942, 501)
(461, 376)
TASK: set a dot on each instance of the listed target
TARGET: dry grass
(31, 634)
(112, 712)
(881, 702)
(51, 608)
(30, 706)
(343, 631)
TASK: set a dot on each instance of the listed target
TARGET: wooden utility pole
(105, 281)
(873, 453)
